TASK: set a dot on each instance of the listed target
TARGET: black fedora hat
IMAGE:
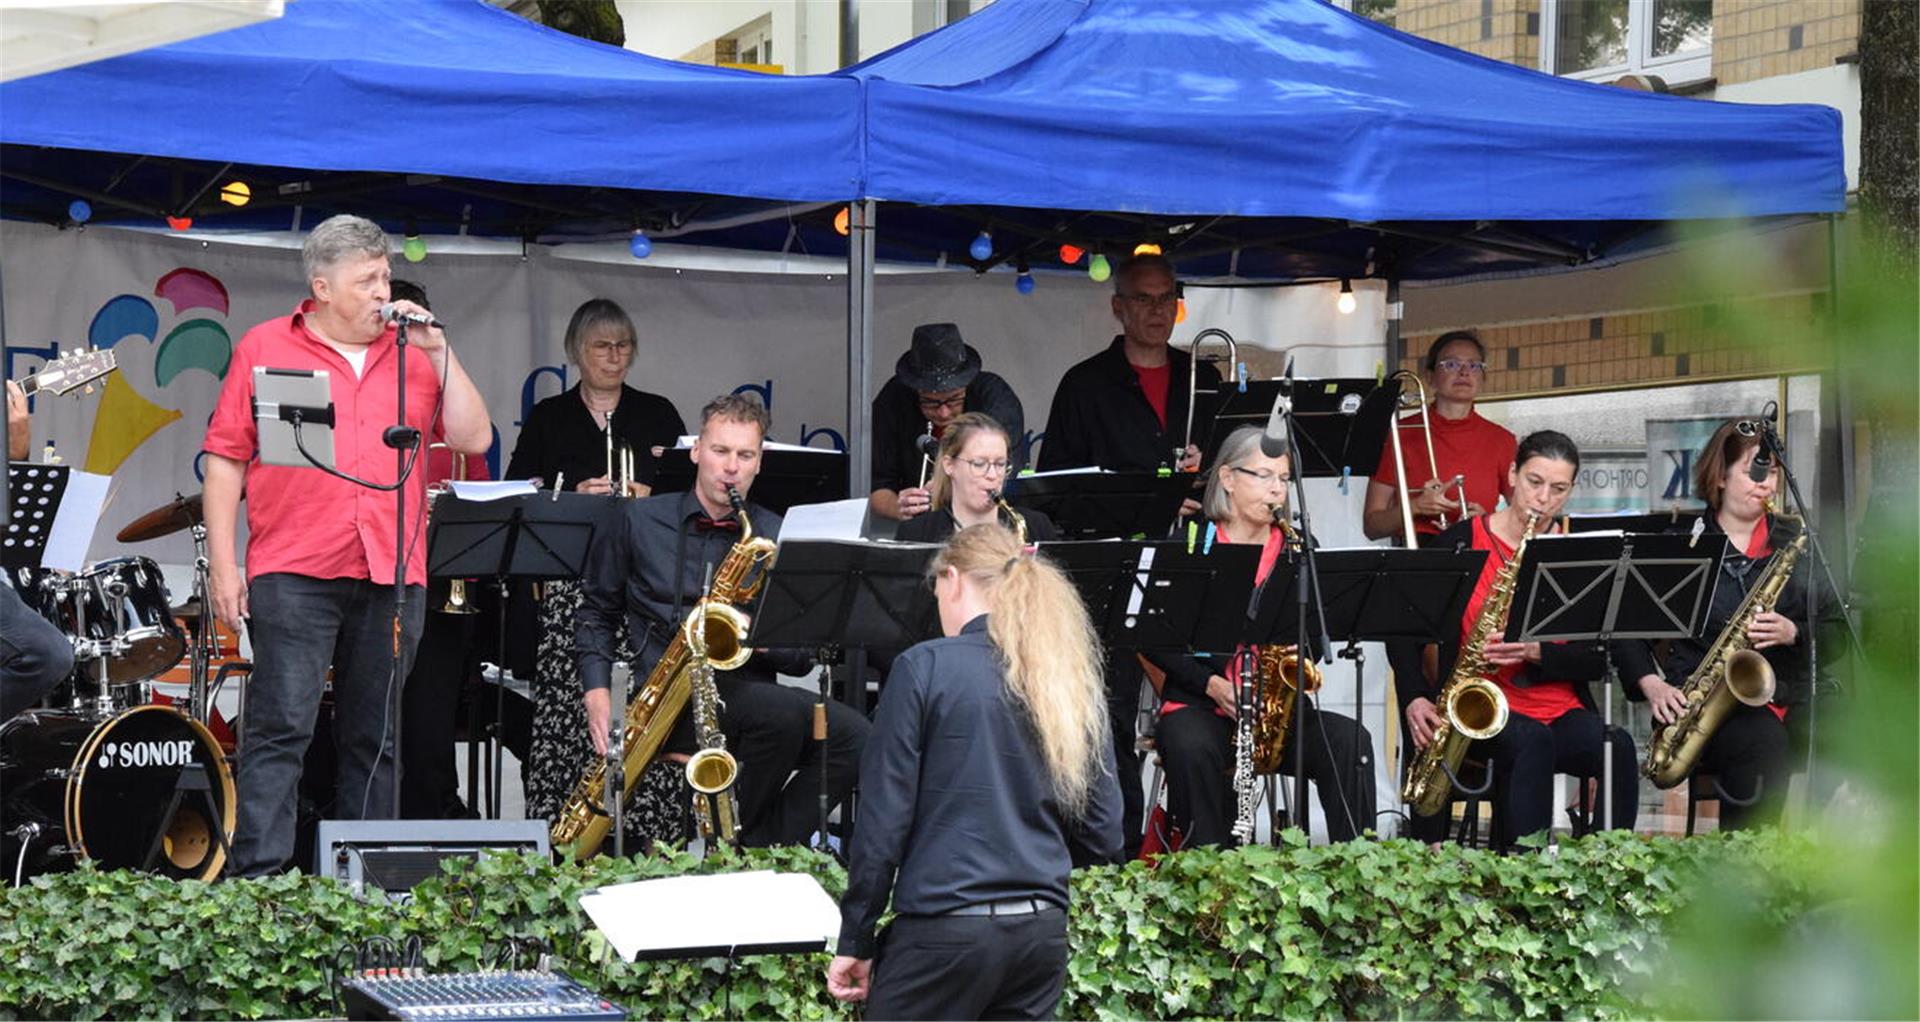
(938, 360)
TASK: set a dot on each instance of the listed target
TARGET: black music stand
(1368, 594)
(787, 477)
(33, 502)
(1672, 520)
(534, 536)
(1106, 505)
(828, 595)
(1340, 423)
(1157, 596)
(1618, 586)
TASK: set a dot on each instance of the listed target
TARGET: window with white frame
(1607, 38)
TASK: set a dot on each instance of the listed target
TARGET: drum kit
(108, 770)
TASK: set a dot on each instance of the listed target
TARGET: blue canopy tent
(423, 108)
(1269, 139)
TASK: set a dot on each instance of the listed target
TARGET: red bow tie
(701, 523)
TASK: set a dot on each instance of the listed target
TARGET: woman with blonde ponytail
(987, 775)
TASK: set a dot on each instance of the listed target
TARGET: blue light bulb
(982, 247)
(1023, 283)
(640, 245)
(79, 211)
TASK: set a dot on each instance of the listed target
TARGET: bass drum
(118, 791)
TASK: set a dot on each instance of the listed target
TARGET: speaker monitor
(394, 855)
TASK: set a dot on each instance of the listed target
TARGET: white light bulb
(1346, 304)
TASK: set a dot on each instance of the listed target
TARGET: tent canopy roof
(1263, 138)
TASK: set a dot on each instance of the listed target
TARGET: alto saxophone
(1015, 520)
(1472, 707)
(1733, 671)
(583, 822)
(712, 770)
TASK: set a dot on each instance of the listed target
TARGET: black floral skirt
(659, 808)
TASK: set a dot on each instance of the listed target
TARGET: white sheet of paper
(720, 910)
(835, 519)
(75, 520)
(491, 489)
(686, 442)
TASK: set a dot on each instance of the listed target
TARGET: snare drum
(105, 789)
(126, 599)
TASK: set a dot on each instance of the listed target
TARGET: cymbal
(182, 512)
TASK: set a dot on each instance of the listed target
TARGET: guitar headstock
(78, 368)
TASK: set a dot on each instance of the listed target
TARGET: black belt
(1007, 907)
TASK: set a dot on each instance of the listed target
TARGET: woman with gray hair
(564, 445)
(1246, 502)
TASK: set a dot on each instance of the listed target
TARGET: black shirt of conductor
(937, 379)
(988, 774)
(652, 568)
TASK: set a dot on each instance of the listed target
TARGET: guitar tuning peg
(88, 389)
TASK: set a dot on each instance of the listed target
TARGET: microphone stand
(402, 438)
(1770, 440)
(1306, 584)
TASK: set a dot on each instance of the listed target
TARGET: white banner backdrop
(172, 306)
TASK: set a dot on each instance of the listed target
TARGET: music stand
(1616, 586)
(1340, 423)
(828, 595)
(33, 505)
(1157, 596)
(532, 536)
(1369, 594)
(1105, 505)
(788, 476)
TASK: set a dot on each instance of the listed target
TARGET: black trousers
(968, 967)
(299, 625)
(1196, 746)
(1526, 754)
(429, 783)
(1749, 752)
(34, 654)
(769, 729)
(1124, 675)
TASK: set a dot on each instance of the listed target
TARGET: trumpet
(1193, 376)
(1400, 458)
(457, 601)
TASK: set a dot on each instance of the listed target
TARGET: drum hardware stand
(193, 778)
(199, 652)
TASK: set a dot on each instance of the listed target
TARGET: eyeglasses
(1146, 301)
(611, 347)
(1260, 475)
(985, 466)
(934, 404)
(1460, 365)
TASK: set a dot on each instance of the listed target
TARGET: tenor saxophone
(1732, 672)
(1472, 707)
(583, 822)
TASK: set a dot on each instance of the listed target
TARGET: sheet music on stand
(717, 915)
(51, 515)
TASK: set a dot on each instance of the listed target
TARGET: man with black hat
(936, 379)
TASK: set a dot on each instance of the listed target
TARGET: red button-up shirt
(303, 520)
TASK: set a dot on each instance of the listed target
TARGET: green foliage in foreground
(1367, 930)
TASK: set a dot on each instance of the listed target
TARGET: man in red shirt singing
(318, 589)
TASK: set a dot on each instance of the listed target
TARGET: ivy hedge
(1366, 930)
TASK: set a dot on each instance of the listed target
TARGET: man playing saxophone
(653, 569)
(1245, 502)
(1749, 752)
(1552, 725)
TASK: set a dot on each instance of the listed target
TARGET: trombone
(1193, 376)
(457, 601)
(1400, 458)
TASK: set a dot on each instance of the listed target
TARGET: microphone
(390, 313)
(1763, 459)
(1273, 442)
(927, 445)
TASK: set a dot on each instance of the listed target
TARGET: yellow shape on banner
(124, 422)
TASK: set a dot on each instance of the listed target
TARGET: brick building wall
(1763, 38)
(1506, 30)
(1757, 336)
